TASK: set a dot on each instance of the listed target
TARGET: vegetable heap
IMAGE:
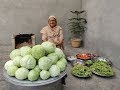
(41, 61)
(81, 71)
(102, 68)
(88, 62)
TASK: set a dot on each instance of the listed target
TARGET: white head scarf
(52, 16)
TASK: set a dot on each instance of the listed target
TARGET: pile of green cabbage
(39, 62)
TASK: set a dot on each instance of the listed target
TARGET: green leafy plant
(77, 24)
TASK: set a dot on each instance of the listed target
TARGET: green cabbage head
(33, 75)
(16, 61)
(8, 64)
(53, 57)
(28, 62)
(54, 71)
(11, 70)
(37, 68)
(61, 65)
(63, 60)
(44, 74)
(14, 53)
(49, 47)
(38, 51)
(25, 50)
(21, 73)
(44, 63)
(59, 53)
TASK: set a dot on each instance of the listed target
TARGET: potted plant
(77, 27)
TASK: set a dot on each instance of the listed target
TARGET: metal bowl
(103, 59)
(78, 61)
(71, 58)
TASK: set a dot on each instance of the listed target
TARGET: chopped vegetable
(88, 62)
(101, 68)
(81, 71)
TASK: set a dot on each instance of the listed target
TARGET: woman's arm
(61, 38)
(44, 35)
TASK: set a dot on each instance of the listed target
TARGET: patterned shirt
(53, 35)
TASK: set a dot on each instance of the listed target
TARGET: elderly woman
(52, 32)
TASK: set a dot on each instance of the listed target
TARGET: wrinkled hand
(57, 41)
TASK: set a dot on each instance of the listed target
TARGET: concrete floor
(72, 83)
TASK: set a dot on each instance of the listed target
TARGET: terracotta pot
(76, 42)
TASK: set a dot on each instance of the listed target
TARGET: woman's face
(52, 22)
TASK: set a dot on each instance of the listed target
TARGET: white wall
(103, 28)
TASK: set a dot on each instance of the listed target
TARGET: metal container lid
(39, 82)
